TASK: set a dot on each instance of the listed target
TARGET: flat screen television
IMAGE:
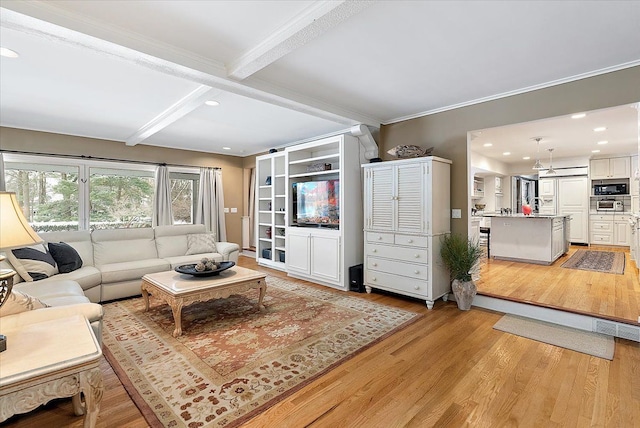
(317, 203)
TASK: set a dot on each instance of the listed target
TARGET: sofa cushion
(126, 271)
(201, 243)
(20, 302)
(172, 240)
(66, 257)
(51, 289)
(123, 245)
(80, 240)
(33, 263)
(87, 277)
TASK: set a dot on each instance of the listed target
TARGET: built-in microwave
(610, 189)
(609, 205)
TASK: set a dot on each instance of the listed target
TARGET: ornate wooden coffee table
(179, 290)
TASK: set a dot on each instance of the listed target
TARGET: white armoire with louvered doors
(406, 212)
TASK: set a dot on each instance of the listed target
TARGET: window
(48, 194)
(184, 196)
(72, 194)
(120, 198)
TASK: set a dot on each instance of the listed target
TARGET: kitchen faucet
(540, 203)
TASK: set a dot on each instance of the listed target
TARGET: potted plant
(460, 255)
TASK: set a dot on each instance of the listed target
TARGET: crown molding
(556, 82)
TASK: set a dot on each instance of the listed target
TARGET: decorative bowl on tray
(190, 269)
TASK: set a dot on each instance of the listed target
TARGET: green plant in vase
(460, 255)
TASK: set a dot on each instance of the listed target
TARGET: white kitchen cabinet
(573, 200)
(474, 233)
(324, 253)
(610, 229)
(557, 238)
(498, 182)
(271, 209)
(547, 186)
(528, 238)
(478, 187)
(601, 226)
(621, 233)
(407, 210)
(619, 167)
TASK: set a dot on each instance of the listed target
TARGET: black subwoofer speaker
(356, 282)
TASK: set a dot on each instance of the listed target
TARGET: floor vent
(611, 328)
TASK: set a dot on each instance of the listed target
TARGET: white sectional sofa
(114, 261)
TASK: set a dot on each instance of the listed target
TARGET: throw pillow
(201, 243)
(19, 302)
(33, 263)
(66, 257)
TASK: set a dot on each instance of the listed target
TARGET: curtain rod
(102, 159)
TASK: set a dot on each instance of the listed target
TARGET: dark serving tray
(191, 269)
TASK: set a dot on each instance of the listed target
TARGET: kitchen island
(534, 238)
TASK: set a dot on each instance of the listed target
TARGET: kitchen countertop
(520, 215)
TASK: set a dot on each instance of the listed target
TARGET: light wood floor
(615, 297)
(449, 369)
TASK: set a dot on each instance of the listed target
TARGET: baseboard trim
(569, 319)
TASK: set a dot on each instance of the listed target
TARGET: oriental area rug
(598, 261)
(234, 361)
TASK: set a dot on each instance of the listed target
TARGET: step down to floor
(569, 319)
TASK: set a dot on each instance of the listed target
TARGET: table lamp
(15, 232)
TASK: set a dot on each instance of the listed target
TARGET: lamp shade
(14, 229)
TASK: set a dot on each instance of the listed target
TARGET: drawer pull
(410, 241)
(417, 256)
(416, 271)
(374, 279)
(374, 251)
(417, 287)
(379, 238)
(374, 264)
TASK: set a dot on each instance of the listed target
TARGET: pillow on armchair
(18, 302)
(33, 263)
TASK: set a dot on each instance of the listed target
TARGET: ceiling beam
(180, 109)
(43, 20)
(313, 22)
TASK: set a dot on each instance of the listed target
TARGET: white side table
(53, 359)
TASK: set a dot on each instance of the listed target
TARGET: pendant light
(551, 170)
(538, 166)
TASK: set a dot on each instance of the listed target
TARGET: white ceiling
(568, 137)
(287, 71)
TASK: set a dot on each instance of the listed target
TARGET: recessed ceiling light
(212, 103)
(600, 129)
(526, 158)
(506, 153)
(595, 151)
(602, 142)
(226, 148)
(487, 144)
(8, 53)
(578, 115)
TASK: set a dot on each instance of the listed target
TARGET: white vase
(464, 291)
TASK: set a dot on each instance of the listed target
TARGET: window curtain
(3, 185)
(252, 207)
(210, 209)
(162, 211)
